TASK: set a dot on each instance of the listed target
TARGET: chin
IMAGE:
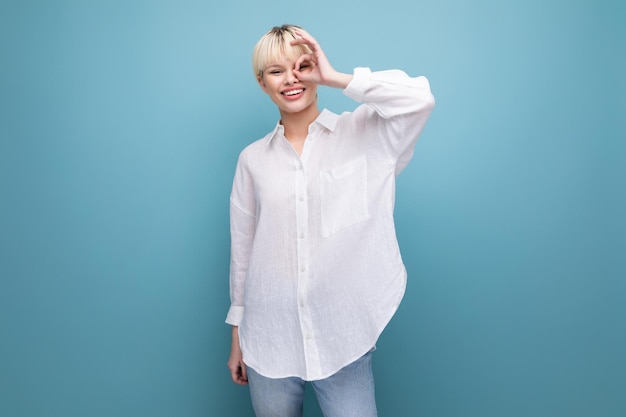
(298, 107)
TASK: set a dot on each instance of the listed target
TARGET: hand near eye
(314, 67)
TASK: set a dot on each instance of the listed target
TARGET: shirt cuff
(235, 315)
(360, 83)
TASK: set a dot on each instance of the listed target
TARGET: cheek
(266, 84)
(272, 86)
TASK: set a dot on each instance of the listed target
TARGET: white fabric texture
(316, 272)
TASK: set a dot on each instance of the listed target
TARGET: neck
(297, 124)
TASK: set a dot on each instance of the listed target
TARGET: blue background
(120, 124)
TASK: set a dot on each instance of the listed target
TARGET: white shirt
(316, 272)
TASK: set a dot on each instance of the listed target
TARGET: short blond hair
(275, 44)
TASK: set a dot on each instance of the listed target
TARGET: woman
(316, 272)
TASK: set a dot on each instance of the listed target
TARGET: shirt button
(301, 235)
(301, 198)
(308, 336)
(302, 268)
(301, 303)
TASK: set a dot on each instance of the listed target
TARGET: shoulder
(255, 147)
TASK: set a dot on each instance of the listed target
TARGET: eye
(275, 71)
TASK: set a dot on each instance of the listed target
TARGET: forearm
(235, 362)
(235, 337)
(242, 236)
(391, 92)
(339, 80)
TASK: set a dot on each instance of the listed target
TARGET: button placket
(302, 250)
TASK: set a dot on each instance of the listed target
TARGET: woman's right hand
(235, 362)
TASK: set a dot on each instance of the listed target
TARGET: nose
(291, 78)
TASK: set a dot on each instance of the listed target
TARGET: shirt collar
(326, 119)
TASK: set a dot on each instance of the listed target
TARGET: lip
(294, 96)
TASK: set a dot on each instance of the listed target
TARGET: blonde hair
(276, 44)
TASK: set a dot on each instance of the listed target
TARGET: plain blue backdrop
(120, 125)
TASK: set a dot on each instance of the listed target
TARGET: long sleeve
(242, 230)
(401, 104)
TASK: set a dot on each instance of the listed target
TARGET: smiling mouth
(293, 92)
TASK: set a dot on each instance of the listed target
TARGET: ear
(259, 79)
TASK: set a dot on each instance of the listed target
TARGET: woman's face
(285, 89)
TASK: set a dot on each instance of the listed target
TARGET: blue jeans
(348, 393)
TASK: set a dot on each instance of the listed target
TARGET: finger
(244, 372)
(306, 36)
(238, 374)
(302, 59)
(307, 39)
(234, 375)
(241, 376)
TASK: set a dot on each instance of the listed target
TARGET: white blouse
(316, 272)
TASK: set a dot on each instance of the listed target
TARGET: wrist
(339, 80)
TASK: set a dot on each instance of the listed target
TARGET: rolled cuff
(235, 315)
(359, 84)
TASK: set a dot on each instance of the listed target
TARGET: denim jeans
(348, 393)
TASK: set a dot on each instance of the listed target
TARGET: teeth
(293, 92)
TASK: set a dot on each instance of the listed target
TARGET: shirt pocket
(343, 196)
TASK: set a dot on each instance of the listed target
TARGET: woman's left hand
(315, 67)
